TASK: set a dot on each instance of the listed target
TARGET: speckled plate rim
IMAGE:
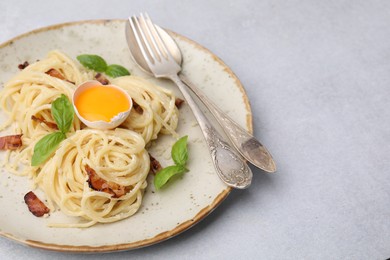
(164, 235)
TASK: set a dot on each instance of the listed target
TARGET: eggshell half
(115, 121)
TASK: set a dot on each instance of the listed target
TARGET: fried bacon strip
(137, 108)
(117, 189)
(155, 165)
(42, 120)
(35, 205)
(23, 65)
(98, 184)
(179, 102)
(55, 73)
(99, 77)
(10, 142)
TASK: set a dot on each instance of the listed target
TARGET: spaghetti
(117, 158)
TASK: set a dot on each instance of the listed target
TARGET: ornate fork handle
(230, 166)
(248, 146)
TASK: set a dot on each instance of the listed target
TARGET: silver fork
(230, 166)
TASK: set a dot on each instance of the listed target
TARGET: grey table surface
(317, 74)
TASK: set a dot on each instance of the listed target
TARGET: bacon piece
(179, 102)
(137, 108)
(35, 205)
(97, 183)
(155, 165)
(99, 77)
(42, 120)
(117, 189)
(23, 65)
(94, 181)
(10, 142)
(55, 73)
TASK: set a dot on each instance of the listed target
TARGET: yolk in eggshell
(101, 103)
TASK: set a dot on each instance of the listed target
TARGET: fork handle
(230, 166)
(245, 143)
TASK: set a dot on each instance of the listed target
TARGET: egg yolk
(101, 103)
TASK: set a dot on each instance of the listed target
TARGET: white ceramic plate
(164, 213)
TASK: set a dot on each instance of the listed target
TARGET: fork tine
(156, 38)
(142, 40)
(151, 37)
(138, 39)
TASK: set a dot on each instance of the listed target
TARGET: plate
(163, 213)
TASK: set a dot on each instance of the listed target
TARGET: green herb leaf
(93, 62)
(165, 174)
(45, 147)
(116, 71)
(63, 113)
(179, 151)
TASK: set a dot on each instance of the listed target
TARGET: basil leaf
(165, 174)
(93, 62)
(116, 71)
(179, 151)
(63, 113)
(45, 147)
